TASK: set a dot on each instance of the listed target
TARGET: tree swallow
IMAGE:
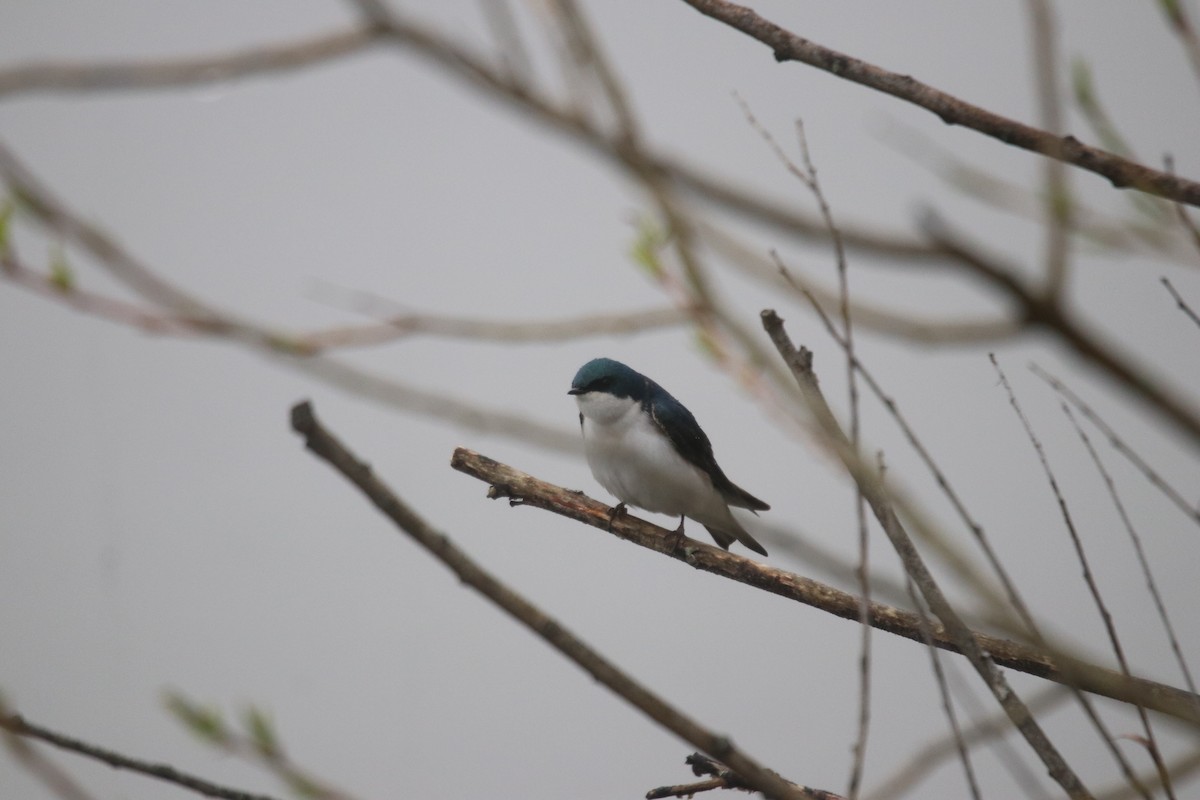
(647, 449)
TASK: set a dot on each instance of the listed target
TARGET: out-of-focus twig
(1177, 16)
(932, 331)
(1108, 234)
(62, 76)
(1057, 202)
(1047, 313)
(394, 325)
(934, 753)
(513, 53)
(181, 307)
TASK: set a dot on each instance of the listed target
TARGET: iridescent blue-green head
(606, 376)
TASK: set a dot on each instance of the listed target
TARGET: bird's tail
(729, 534)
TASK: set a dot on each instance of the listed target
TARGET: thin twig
(19, 726)
(1103, 356)
(52, 776)
(956, 733)
(1119, 444)
(807, 175)
(1143, 561)
(325, 446)
(1152, 741)
(1088, 578)
(1180, 302)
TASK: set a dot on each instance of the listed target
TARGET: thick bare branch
(525, 490)
(787, 46)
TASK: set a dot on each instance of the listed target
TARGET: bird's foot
(680, 538)
(617, 511)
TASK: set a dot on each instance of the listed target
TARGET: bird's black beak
(575, 390)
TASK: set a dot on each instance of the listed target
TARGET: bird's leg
(679, 535)
(617, 511)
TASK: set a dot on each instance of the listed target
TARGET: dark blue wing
(690, 441)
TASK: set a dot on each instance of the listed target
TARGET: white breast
(633, 460)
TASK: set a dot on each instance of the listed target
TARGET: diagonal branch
(870, 483)
(787, 46)
(524, 489)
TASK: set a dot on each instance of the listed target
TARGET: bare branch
(787, 46)
(523, 489)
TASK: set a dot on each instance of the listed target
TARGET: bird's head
(605, 376)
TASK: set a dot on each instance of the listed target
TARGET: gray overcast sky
(161, 529)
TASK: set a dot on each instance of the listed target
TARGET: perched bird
(647, 449)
